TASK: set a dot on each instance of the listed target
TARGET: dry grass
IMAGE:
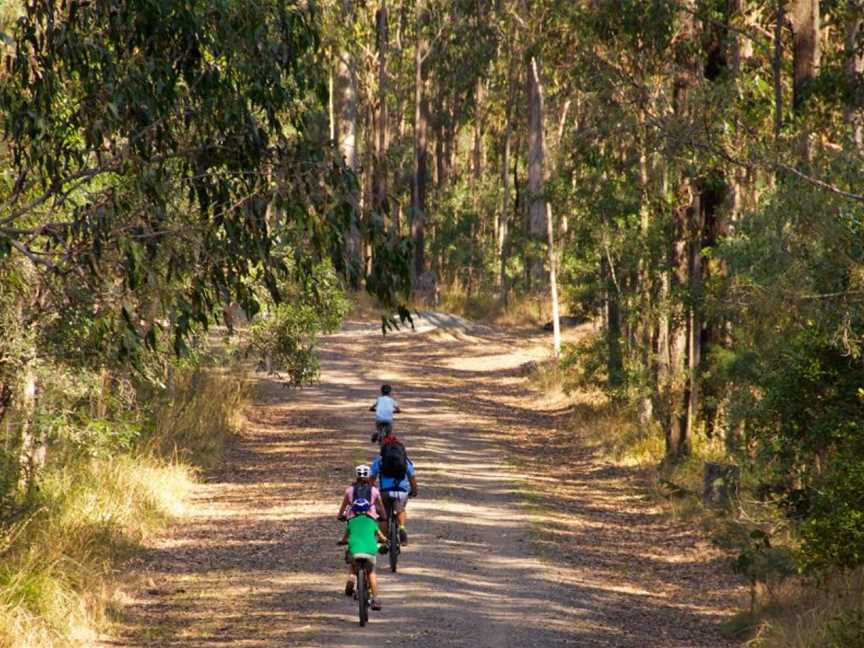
(58, 565)
(364, 306)
(488, 309)
(196, 416)
(801, 614)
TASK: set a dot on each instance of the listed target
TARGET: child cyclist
(362, 488)
(397, 480)
(363, 536)
(385, 407)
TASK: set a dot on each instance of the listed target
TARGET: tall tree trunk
(536, 169)
(477, 147)
(806, 49)
(344, 127)
(646, 319)
(854, 69)
(440, 144)
(380, 189)
(33, 448)
(614, 358)
(540, 147)
(685, 322)
(504, 218)
(421, 120)
(806, 56)
(777, 66)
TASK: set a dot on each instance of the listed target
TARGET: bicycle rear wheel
(362, 595)
(393, 538)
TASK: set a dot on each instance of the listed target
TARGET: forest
(190, 188)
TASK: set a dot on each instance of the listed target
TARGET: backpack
(394, 461)
(361, 491)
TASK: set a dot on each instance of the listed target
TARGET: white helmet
(362, 471)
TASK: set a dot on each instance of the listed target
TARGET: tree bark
(536, 169)
(806, 56)
(380, 189)
(685, 322)
(477, 148)
(503, 219)
(806, 48)
(777, 67)
(344, 127)
(421, 120)
(854, 69)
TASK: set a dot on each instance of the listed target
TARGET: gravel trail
(255, 562)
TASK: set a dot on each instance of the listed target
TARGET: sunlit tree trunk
(854, 68)
(806, 57)
(536, 170)
(539, 148)
(504, 218)
(344, 128)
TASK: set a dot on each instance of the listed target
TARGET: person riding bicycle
(396, 480)
(363, 536)
(362, 488)
(385, 407)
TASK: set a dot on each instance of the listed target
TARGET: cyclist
(363, 536)
(385, 407)
(396, 480)
(362, 488)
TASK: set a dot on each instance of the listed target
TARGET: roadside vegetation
(117, 467)
(686, 172)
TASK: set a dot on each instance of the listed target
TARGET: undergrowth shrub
(92, 509)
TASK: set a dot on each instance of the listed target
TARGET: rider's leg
(373, 580)
(373, 586)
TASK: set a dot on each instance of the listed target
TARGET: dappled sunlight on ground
(519, 537)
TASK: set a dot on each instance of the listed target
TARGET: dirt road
(255, 562)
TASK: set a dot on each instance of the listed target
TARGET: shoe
(403, 536)
(349, 588)
(376, 605)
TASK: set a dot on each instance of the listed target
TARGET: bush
(833, 534)
(285, 336)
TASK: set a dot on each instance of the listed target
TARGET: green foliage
(833, 534)
(284, 337)
(760, 562)
(150, 152)
(846, 630)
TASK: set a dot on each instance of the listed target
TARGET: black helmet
(386, 389)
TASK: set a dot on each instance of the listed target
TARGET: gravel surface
(588, 563)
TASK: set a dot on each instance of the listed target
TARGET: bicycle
(363, 593)
(395, 546)
(382, 429)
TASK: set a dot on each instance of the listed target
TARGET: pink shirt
(373, 511)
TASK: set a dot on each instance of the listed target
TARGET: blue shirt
(390, 483)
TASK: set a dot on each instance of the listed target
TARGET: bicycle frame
(393, 536)
(363, 592)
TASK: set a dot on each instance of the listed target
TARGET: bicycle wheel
(393, 537)
(362, 595)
